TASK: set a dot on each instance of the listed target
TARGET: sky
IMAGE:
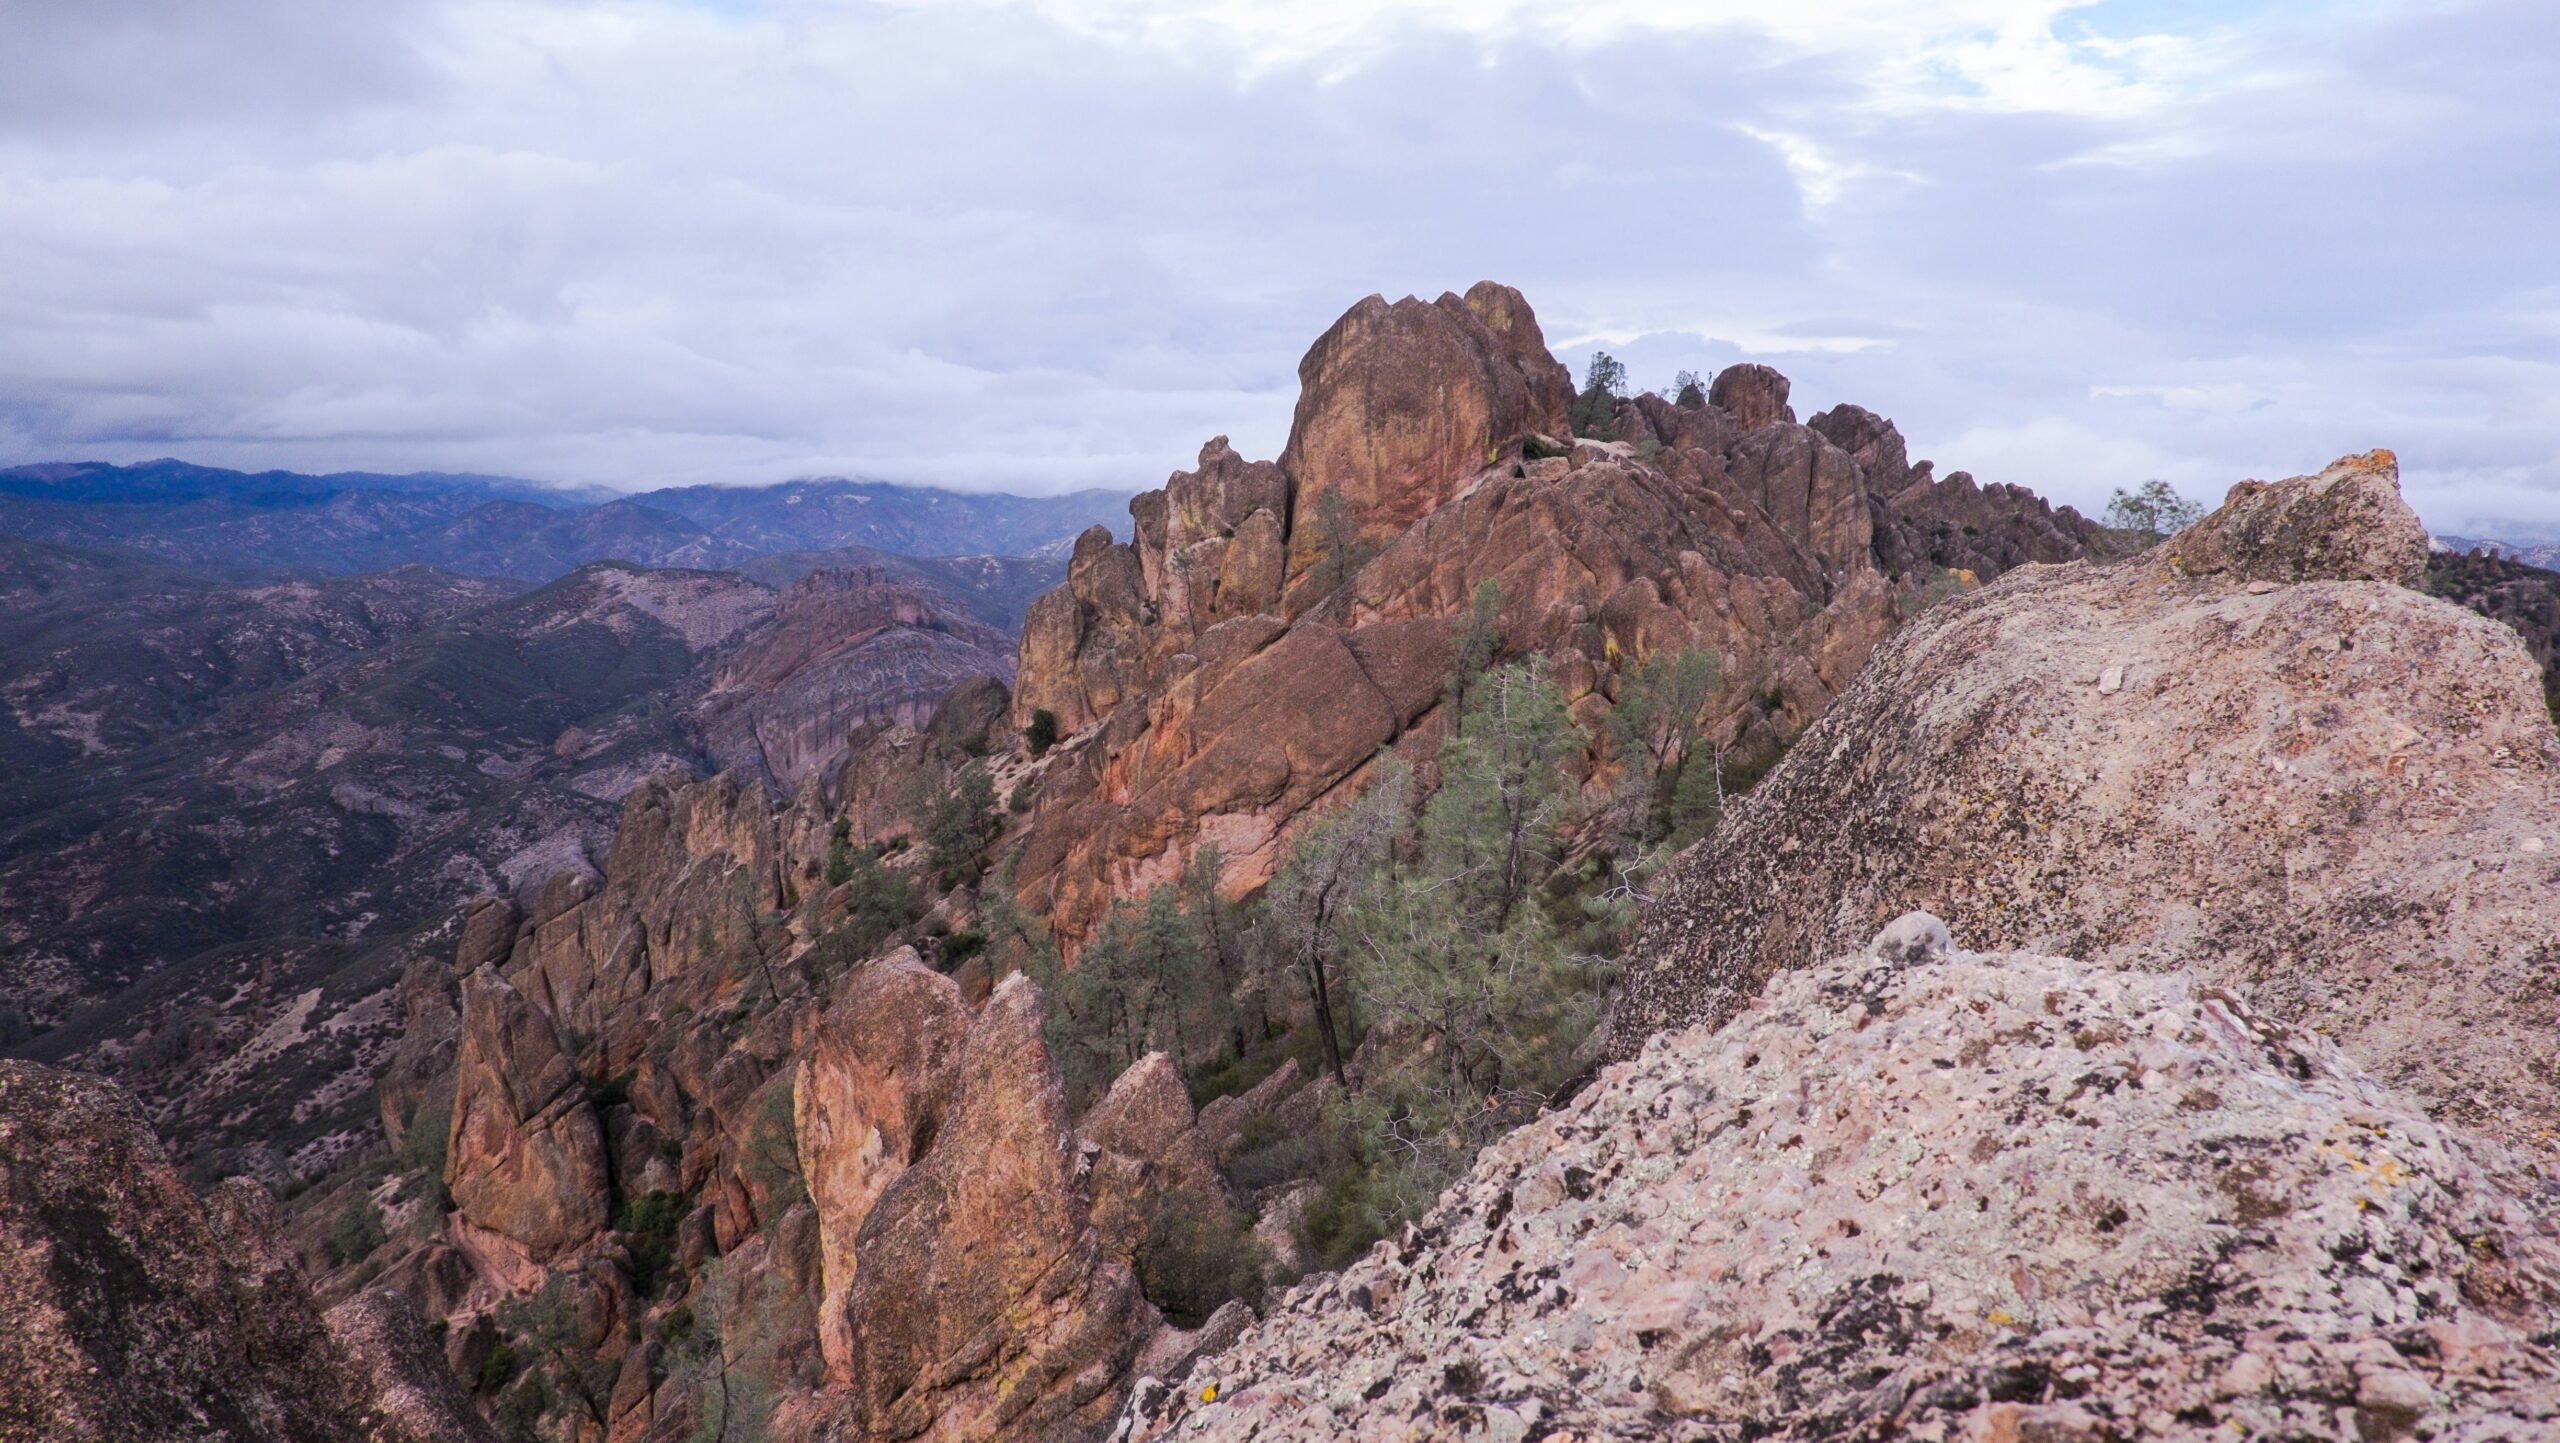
(1042, 244)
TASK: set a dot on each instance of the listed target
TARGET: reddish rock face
(869, 1094)
(525, 1161)
(1205, 705)
(1400, 404)
(983, 1306)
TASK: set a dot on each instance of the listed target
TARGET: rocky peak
(1399, 404)
(1754, 395)
(1217, 682)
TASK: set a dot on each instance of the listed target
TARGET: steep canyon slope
(240, 807)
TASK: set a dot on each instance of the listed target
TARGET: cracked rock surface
(1998, 1196)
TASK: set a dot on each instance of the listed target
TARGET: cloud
(1049, 243)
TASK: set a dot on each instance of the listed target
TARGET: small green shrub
(1042, 734)
(605, 1092)
(1191, 1264)
(497, 1370)
(648, 1227)
(356, 1233)
(840, 853)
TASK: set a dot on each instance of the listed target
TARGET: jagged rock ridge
(1270, 627)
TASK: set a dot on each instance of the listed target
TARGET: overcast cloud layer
(1048, 243)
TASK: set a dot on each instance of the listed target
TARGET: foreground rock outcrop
(2251, 755)
(136, 1312)
(1269, 628)
(1999, 1196)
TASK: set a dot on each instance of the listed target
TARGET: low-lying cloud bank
(1052, 243)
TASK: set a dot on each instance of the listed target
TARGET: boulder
(1993, 1196)
(1154, 1157)
(2346, 524)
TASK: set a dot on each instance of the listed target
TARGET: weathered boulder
(135, 1314)
(2339, 797)
(2000, 1196)
(983, 1306)
(2346, 524)
(1154, 1158)
(525, 1160)
(869, 1095)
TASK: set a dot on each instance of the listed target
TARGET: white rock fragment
(1911, 939)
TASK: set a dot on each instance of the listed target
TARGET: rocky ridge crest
(2329, 792)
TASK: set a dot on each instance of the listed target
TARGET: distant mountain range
(2545, 554)
(354, 522)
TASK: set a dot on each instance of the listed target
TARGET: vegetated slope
(2254, 753)
(494, 527)
(103, 652)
